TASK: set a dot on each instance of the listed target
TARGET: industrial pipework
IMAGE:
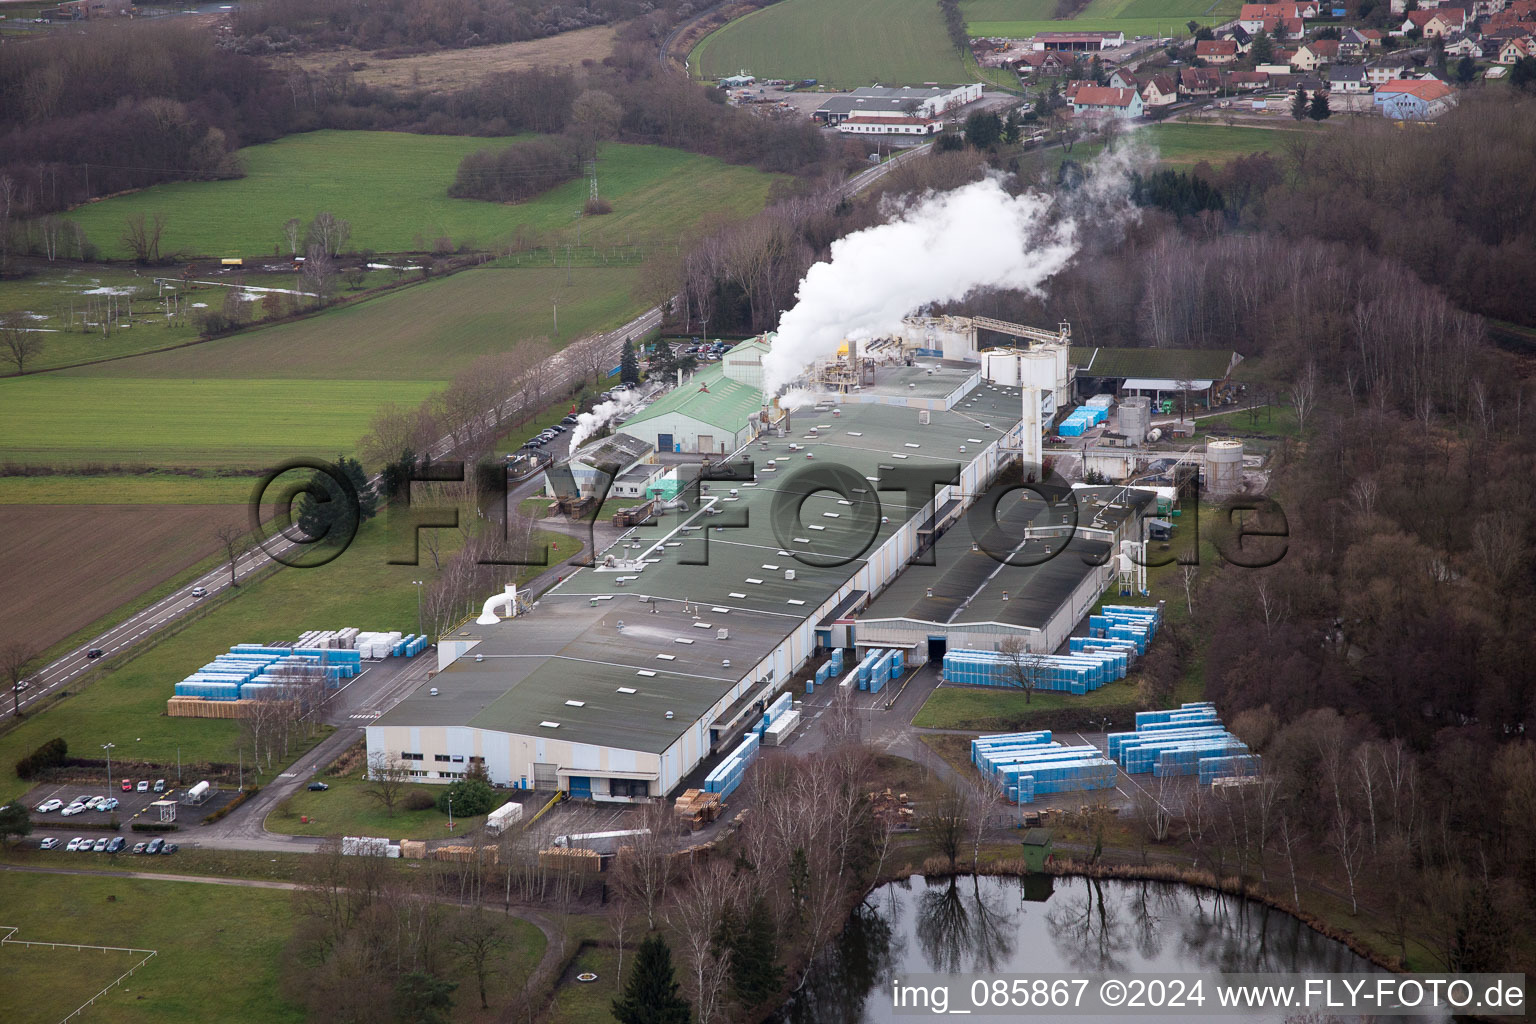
(508, 597)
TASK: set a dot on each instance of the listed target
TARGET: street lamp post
(418, 584)
(108, 748)
(450, 814)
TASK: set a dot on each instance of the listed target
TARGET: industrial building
(1155, 373)
(880, 102)
(1077, 41)
(625, 677)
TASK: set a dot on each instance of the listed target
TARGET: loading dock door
(663, 442)
(545, 777)
(937, 645)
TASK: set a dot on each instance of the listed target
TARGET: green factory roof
(709, 397)
(1170, 363)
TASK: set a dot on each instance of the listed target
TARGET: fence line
(8, 939)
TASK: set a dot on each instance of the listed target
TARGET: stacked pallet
(697, 808)
(413, 849)
(464, 854)
(198, 707)
(566, 859)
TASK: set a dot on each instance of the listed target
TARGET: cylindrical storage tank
(1223, 467)
(1135, 417)
(1003, 368)
(1063, 354)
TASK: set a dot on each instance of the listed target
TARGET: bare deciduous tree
(18, 345)
(15, 658)
(235, 542)
(1304, 394)
(142, 235)
(643, 869)
(329, 232)
(293, 234)
(1022, 668)
(387, 779)
(478, 938)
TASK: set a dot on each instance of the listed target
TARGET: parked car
(154, 846)
(95, 652)
(117, 843)
(169, 848)
(74, 844)
(199, 591)
(127, 786)
(101, 845)
(571, 420)
(139, 847)
(72, 810)
(109, 804)
(159, 785)
(48, 843)
(558, 428)
(143, 786)
(318, 787)
(49, 805)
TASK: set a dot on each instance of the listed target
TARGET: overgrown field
(64, 566)
(392, 188)
(843, 43)
(451, 70)
(1018, 18)
(424, 333)
(185, 421)
(219, 950)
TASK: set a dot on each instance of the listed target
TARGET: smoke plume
(589, 423)
(941, 248)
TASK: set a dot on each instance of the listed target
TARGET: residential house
(1417, 100)
(1515, 50)
(1252, 17)
(1315, 54)
(1460, 45)
(1123, 79)
(1239, 35)
(1436, 23)
(1160, 91)
(1198, 82)
(1073, 85)
(1216, 51)
(1043, 61)
(1245, 81)
(1355, 41)
(1379, 72)
(1100, 101)
(1401, 6)
(1348, 78)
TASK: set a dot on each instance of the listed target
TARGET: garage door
(544, 776)
(663, 442)
(706, 442)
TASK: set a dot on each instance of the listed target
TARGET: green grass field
(164, 421)
(1018, 18)
(1267, 421)
(392, 188)
(218, 950)
(953, 707)
(347, 809)
(1179, 145)
(842, 43)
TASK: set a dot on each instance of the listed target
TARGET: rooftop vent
(576, 703)
(628, 689)
(725, 662)
(550, 725)
(724, 634)
(789, 574)
(669, 715)
(644, 672)
(666, 657)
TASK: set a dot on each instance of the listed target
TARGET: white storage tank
(1223, 467)
(1038, 370)
(1002, 367)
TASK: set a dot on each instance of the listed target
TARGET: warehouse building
(879, 101)
(711, 412)
(1077, 41)
(621, 679)
(1156, 373)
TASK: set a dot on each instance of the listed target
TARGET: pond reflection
(972, 925)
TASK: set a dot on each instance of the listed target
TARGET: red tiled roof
(1103, 96)
(1215, 48)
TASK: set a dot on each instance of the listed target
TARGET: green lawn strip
(1261, 421)
(579, 1002)
(347, 808)
(58, 420)
(218, 948)
(955, 707)
(392, 187)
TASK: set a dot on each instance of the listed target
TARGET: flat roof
(1172, 363)
(525, 671)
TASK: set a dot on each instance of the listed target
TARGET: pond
(1039, 924)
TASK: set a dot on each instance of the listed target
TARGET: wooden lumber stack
(697, 808)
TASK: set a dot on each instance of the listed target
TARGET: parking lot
(131, 805)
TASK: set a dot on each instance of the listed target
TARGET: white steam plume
(943, 247)
(589, 423)
(797, 398)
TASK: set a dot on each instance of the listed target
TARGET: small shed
(1037, 848)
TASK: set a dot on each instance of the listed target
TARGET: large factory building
(619, 681)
